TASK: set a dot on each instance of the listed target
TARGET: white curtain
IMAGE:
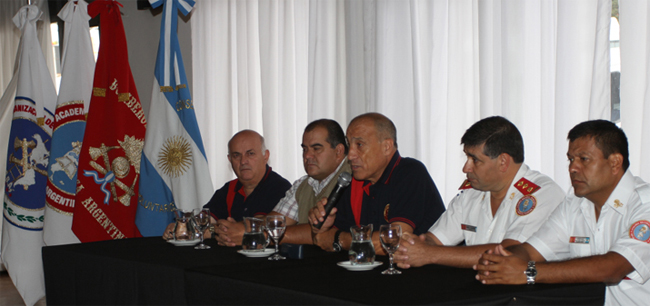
(634, 17)
(433, 67)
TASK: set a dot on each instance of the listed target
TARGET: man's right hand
(317, 215)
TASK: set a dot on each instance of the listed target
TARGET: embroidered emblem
(116, 170)
(175, 156)
(466, 185)
(581, 240)
(617, 203)
(34, 158)
(512, 196)
(67, 163)
(526, 205)
(640, 230)
(386, 212)
(469, 228)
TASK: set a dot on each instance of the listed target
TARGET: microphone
(343, 181)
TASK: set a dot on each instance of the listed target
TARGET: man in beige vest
(324, 152)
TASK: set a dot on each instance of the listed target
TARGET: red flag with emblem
(109, 163)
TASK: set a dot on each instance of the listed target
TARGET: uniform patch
(386, 212)
(526, 187)
(526, 205)
(640, 230)
(469, 228)
(581, 240)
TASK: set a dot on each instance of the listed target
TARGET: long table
(152, 271)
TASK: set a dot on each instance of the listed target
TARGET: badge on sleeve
(526, 205)
(386, 212)
(640, 230)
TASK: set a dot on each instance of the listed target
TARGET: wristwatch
(531, 273)
(337, 243)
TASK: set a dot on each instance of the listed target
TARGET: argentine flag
(174, 168)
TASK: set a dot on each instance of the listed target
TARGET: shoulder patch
(466, 185)
(640, 230)
(526, 187)
(526, 205)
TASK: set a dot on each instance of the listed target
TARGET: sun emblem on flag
(175, 157)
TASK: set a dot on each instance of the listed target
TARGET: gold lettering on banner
(101, 218)
(166, 89)
(99, 92)
(131, 102)
(169, 207)
(181, 105)
(180, 86)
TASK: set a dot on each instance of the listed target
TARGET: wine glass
(389, 235)
(202, 220)
(276, 225)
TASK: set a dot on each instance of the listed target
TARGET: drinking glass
(276, 225)
(202, 220)
(389, 235)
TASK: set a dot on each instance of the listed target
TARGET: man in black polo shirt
(254, 192)
(387, 188)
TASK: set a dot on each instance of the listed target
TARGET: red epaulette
(526, 187)
(466, 185)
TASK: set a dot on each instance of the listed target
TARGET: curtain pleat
(433, 67)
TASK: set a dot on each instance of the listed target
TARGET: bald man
(386, 188)
(253, 193)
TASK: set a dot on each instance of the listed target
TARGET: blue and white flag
(70, 122)
(174, 169)
(27, 159)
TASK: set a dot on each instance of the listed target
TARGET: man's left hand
(498, 266)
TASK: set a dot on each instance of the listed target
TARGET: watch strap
(337, 242)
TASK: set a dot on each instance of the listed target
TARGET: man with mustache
(387, 188)
(323, 154)
(254, 192)
(502, 201)
(594, 235)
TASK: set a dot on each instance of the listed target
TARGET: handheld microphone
(343, 181)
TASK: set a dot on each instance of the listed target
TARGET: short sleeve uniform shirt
(531, 198)
(622, 227)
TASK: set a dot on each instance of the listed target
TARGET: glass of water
(389, 235)
(276, 225)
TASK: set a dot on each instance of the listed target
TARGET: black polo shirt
(260, 202)
(404, 193)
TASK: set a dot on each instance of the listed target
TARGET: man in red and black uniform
(387, 188)
(253, 193)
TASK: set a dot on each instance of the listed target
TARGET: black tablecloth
(151, 271)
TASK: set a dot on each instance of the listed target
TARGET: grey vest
(306, 197)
